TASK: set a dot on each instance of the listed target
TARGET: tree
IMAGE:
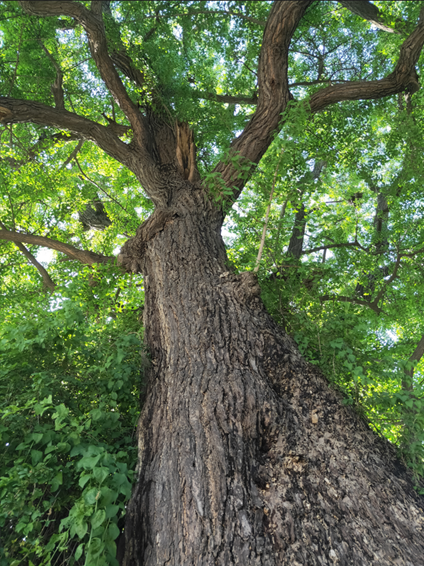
(246, 454)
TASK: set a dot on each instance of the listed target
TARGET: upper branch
(404, 77)
(370, 12)
(57, 86)
(47, 280)
(273, 94)
(273, 90)
(92, 23)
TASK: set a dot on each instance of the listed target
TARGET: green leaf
(113, 531)
(98, 518)
(36, 456)
(112, 510)
(83, 480)
(100, 474)
(78, 552)
(81, 529)
(57, 481)
(88, 462)
(91, 495)
(37, 436)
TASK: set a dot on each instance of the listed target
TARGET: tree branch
(253, 100)
(83, 256)
(404, 77)
(274, 89)
(57, 86)
(343, 299)
(370, 12)
(330, 246)
(226, 98)
(273, 92)
(223, 13)
(13, 111)
(415, 357)
(73, 154)
(389, 280)
(47, 280)
(84, 175)
(92, 23)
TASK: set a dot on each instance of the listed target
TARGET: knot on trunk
(247, 286)
(5, 114)
(131, 256)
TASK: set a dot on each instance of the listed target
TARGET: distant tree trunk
(295, 247)
(247, 456)
(296, 241)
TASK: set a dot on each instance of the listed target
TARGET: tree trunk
(247, 456)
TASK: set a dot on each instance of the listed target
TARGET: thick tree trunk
(247, 456)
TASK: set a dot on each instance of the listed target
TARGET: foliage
(70, 380)
(71, 362)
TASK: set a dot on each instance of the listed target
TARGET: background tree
(117, 153)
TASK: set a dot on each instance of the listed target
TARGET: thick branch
(92, 23)
(273, 91)
(253, 100)
(402, 78)
(83, 256)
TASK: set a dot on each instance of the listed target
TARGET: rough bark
(94, 216)
(246, 455)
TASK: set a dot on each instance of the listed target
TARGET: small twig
(74, 153)
(98, 186)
